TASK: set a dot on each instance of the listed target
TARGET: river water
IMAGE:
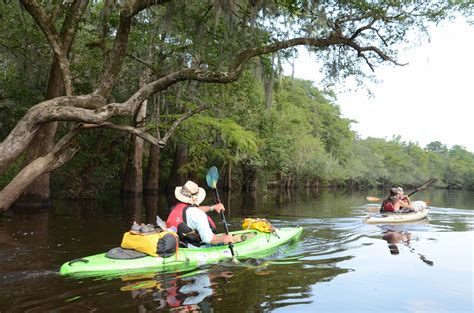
(339, 264)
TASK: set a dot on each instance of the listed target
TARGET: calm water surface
(339, 264)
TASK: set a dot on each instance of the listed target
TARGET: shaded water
(340, 264)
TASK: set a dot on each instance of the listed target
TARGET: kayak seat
(242, 237)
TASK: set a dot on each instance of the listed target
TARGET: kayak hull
(387, 218)
(257, 246)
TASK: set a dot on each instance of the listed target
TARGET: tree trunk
(177, 178)
(250, 178)
(282, 180)
(288, 182)
(249, 203)
(227, 195)
(133, 177)
(228, 177)
(132, 208)
(253, 181)
(316, 184)
(268, 87)
(151, 208)
(37, 193)
(153, 171)
(152, 183)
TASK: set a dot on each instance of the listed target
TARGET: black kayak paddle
(212, 177)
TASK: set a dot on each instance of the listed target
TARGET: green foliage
(97, 168)
(302, 134)
(222, 139)
(408, 164)
(313, 127)
(24, 66)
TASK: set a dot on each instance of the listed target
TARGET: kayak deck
(397, 217)
(256, 246)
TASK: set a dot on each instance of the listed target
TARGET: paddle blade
(373, 199)
(212, 177)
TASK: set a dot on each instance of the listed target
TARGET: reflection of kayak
(388, 217)
(253, 244)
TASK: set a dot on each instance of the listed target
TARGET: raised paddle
(211, 178)
(423, 186)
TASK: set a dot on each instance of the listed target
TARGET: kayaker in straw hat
(190, 220)
(407, 204)
(402, 196)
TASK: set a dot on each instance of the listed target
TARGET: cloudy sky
(429, 99)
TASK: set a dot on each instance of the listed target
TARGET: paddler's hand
(217, 207)
(227, 239)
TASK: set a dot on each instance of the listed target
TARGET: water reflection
(336, 255)
(178, 293)
(394, 237)
(255, 284)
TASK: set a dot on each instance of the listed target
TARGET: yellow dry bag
(259, 224)
(161, 244)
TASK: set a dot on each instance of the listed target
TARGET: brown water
(340, 264)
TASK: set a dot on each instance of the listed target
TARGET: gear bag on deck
(259, 224)
(161, 244)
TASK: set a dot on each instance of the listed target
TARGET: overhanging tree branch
(92, 108)
(128, 129)
(176, 123)
(63, 151)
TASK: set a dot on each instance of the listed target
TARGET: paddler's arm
(207, 236)
(223, 238)
(218, 207)
(406, 199)
(405, 205)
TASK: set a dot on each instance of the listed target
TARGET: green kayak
(253, 244)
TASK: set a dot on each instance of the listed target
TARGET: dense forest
(139, 96)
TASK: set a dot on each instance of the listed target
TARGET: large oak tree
(201, 41)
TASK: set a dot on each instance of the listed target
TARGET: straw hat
(393, 191)
(190, 193)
